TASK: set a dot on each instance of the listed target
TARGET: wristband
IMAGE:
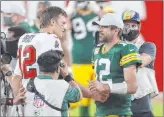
(68, 78)
(117, 88)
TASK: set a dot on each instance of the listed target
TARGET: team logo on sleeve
(96, 51)
(56, 44)
(39, 103)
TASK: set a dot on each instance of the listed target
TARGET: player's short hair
(50, 13)
(49, 61)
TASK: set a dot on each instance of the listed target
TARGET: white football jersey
(30, 46)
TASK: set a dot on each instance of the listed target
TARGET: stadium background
(151, 29)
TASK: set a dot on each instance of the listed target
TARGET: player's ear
(139, 26)
(58, 69)
(117, 30)
(52, 22)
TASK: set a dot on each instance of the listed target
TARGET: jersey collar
(44, 77)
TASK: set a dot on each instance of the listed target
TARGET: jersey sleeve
(57, 45)
(50, 43)
(17, 70)
(130, 56)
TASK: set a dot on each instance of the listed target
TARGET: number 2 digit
(30, 53)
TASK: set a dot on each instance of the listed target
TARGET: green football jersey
(83, 32)
(109, 67)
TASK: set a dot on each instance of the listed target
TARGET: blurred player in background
(41, 6)
(83, 42)
(105, 7)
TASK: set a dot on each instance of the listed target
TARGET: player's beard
(106, 38)
(102, 37)
(110, 37)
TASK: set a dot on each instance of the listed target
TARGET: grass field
(157, 104)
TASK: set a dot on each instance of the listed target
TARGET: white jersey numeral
(81, 29)
(106, 71)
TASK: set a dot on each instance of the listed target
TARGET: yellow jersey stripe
(117, 116)
(112, 116)
(122, 60)
(130, 60)
(126, 56)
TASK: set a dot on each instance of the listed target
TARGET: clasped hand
(98, 92)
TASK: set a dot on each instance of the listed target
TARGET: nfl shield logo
(96, 51)
(38, 102)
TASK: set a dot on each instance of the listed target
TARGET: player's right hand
(20, 98)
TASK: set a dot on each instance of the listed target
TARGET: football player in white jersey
(31, 45)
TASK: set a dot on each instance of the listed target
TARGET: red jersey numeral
(30, 53)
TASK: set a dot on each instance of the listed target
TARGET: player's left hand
(95, 85)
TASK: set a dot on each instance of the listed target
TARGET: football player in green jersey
(82, 34)
(115, 65)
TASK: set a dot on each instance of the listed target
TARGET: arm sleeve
(148, 48)
(130, 56)
(72, 95)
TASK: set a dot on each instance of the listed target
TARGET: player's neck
(111, 43)
(46, 30)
